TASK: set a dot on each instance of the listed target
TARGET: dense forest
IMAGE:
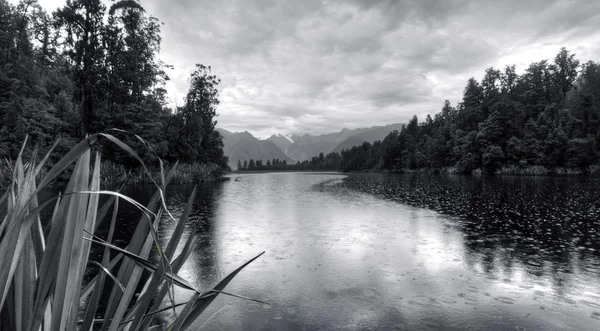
(546, 120)
(88, 68)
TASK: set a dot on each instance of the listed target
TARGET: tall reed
(42, 267)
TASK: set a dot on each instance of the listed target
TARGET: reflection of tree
(202, 217)
(536, 223)
(200, 220)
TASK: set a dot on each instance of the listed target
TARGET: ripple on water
(514, 294)
(448, 298)
(472, 288)
(471, 300)
(506, 300)
(591, 269)
(591, 304)
(526, 286)
(421, 300)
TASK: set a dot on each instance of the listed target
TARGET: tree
(565, 70)
(239, 165)
(498, 127)
(193, 134)
(251, 165)
(554, 148)
(537, 88)
(81, 22)
(471, 113)
(493, 157)
(582, 153)
(490, 89)
(516, 151)
(508, 80)
(34, 93)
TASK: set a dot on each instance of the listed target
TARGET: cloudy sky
(318, 66)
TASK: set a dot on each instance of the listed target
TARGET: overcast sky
(318, 66)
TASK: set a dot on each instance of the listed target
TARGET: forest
(86, 68)
(543, 121)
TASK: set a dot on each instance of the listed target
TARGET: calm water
(377, 252)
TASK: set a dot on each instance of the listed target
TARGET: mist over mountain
(307, 146)
(373, 134)
(240, 146)
(280, 141)
(244, 146)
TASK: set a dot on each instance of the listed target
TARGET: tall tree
(81, 23)
(565, 70)
(195, 137)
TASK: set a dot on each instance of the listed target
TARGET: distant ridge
(281, 141)
(375, 133)
(243, 146)
(307, 146)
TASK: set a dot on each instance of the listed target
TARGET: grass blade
(43, 161)
(239, 296)
(99, 285)
(109, 274)
(200, 305)
(139, 244)
(158, 298)
(147, 265)
(73, 231)
(72, 156)
(83, 247)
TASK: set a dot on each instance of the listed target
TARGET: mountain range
(240, 146)
(244, 146)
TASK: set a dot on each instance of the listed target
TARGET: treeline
(321, 162)
(86, 68)
(544, 120)
(344, 161)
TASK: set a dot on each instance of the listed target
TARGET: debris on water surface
(533, 219)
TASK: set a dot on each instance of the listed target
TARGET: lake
(395, 252)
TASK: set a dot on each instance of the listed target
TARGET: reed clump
(43, 264)
(115, 174)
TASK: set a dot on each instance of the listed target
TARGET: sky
(317, 66)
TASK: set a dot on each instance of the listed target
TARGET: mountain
(374, 133)
(281, 141)
(244, 146)
(307, 146)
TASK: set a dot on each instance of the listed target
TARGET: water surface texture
(376, 252)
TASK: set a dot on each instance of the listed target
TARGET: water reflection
(457, 253)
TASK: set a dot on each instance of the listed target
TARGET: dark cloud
(316, 66)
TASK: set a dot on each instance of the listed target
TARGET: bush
(467, 164)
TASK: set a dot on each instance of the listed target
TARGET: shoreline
(276, 171)
(505, 171)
